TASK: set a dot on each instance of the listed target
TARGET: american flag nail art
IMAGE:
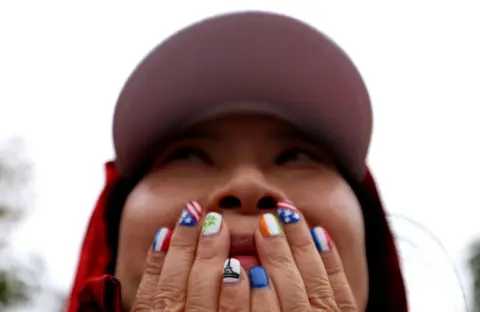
(191, 214)
(287, 212)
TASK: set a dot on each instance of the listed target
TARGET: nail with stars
(287, 212)
(191, 214)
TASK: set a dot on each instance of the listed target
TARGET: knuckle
(152, 268)
(207, 256)
(183, 246)
(334, 270)
(347, 306)
(167, 300)
(321, 297)
(142, 306)
(144, 294)
(327, 305)
(168, 295)
(278, 259)
(304, 245)
(227, 306)
(299, 308)
(197, 304)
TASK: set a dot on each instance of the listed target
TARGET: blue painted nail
(258, 277)
(287, 212)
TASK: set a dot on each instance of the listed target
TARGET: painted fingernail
(258, 277)
(231, 271)
(161, 241)
(287, 212)
(322, 239)
(212, 223)
(269, 225)
(191, 214)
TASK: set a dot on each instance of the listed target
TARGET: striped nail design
(212, 223)
(269, 225)
(322, 239)
(288, 212)
(191, 214)
(231, 271)
(161, 241)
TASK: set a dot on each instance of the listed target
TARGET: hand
(189, 276)
(305, 270)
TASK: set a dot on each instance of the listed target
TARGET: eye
(189, 154)
(296, 155)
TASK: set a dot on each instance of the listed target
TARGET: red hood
(95, 289)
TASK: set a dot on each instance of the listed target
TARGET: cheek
(148, 208)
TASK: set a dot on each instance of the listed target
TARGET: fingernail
(258, 277)
(322, 239)
(161, 241)
(191, 214)
(212, 223)
(288, 212)
(269, 225)
(231, 271)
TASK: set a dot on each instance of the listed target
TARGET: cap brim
(245, 57)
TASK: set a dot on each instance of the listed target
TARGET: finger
(235, 293)
(205, 279)
(307, 259)
(275, 255)
(336, 274)
(153, 268)
(263, 297)
(172, 285)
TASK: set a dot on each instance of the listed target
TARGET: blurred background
(62, 65)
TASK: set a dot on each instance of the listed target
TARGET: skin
(248, 157)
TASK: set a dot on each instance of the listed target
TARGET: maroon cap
(254, 61)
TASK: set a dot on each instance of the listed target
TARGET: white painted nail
(231, 271)
(212, 223)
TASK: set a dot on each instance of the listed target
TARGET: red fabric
(95, 291)
(95, 253)
(100, 294)
(396, 296)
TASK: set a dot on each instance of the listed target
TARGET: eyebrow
(196, 134)
(293, 135)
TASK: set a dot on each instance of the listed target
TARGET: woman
(240, 152)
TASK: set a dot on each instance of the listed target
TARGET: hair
(376, 246)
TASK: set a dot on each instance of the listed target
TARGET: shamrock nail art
(212, 223)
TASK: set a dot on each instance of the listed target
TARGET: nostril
(267, 202)
(229, 202)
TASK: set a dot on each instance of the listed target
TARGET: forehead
(240, 124)
(246, 128)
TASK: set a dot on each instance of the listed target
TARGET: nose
(248, 192)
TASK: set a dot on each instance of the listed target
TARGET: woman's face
(239, 166)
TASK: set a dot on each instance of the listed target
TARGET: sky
(62, 65)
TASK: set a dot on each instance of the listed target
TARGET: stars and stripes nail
(322, 239)
(191, 214)
(161, 240)
(287, 212)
